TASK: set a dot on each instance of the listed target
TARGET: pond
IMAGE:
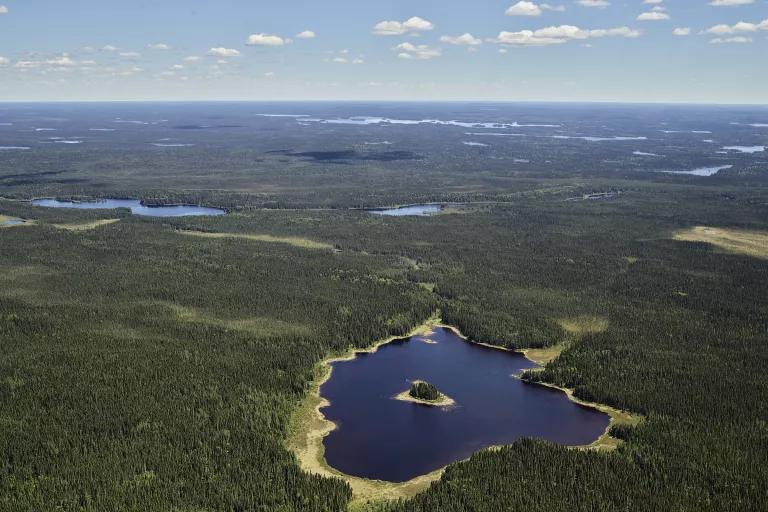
(378, 437)
(136, 207)
(12, 222)
(406, 211)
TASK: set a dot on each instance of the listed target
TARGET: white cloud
(594, 3)
(158, 46)
(524, 8)
(130, 55)
(223, 52)
(109, 48)
(192, 58)
(61, 60)
(740, 27)
(559, 35)
(131, 71)
(3, 9)
(307, 34)
(462, 40)
(729, 40)
(395, 28)
(652, 2)
(4, 61)
(410, 51)
(269, 74)
(730, 3)
(265, 40)
(653, 16)
(358, 60)
(682, 31)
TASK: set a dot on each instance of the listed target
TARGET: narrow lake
(134, 205)
(410, 210)
(378, 437)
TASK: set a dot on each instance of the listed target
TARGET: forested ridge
(147, 370)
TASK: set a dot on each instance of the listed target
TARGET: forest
(424, 391)
(155, 363)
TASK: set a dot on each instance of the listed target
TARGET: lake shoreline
(308, 426)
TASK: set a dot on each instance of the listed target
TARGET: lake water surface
(135, 206)
(410, 210)
(378, 437)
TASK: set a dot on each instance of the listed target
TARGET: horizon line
(420, 101)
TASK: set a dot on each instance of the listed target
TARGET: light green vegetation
(86, 225)
(304, 243)
(738, 241)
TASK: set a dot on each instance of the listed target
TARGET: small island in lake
(422, 392)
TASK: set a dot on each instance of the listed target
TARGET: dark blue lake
(135, 206)
(381, 438)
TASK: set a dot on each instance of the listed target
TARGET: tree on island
(424, 391)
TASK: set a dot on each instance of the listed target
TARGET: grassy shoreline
(308, 426)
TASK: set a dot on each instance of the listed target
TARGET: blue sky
(706, 51)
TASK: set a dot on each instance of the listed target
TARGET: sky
(693, 51)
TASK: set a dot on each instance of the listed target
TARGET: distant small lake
(13, 222)
(135, 206)
(378, 437)
(410, 210)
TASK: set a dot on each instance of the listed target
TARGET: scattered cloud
(559, 35)
(307, 34)
(594, 3)
(682, 31)
(740, 27)
(266, 40)
(524, 8)
(730, 3)
(3, 9)
(4, 61)
(731, 40)
(462, 40)
(130, 55)
(652, 2)
(409, 51)
(109, 48)
(192, 58)
(656, 15)
(159, 46)
(130, 71)
(413, 25)
(223, 52)
(61, 60)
